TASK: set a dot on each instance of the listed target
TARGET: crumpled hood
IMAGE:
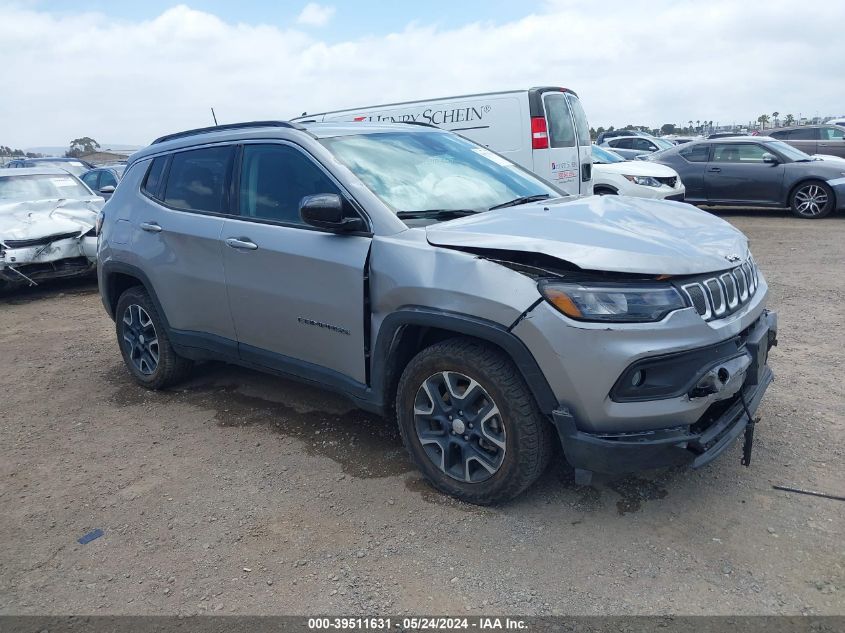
(607, 233)
(41, 218)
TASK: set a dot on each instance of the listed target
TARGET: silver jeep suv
(430, 279)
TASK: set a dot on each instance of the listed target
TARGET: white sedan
(613, 175)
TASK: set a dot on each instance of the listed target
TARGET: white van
(542, 129)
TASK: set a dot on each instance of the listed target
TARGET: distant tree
(593, 133)
(775, 118)
(599, 130)
(611, 128)
(762, 120)
(788, 119)
(80, 146)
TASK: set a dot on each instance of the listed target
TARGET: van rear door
(555, 140)
(585, 152)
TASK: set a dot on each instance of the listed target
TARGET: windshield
(661, 143)
(605, 156)
(42, 187)
(424, 171)
(787, 150)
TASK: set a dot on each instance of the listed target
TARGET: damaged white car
(47, 226)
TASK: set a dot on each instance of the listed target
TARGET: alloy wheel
(140, 339)
(459, 426)
(811, 200)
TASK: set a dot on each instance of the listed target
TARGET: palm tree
(698, 125)
(690, 125)
(762, 120)
(788, 119)
(775, 117)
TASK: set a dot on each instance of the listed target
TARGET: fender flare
(109, 269)
(495, 333)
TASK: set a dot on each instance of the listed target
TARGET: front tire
(144, 343)
(812, 200)
(470, 423)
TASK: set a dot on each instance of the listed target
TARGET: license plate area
(757, 345)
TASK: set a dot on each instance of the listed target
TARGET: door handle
(150, 227)
(242, 243)
(716, 169)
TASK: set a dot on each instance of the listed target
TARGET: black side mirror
(771, 159)
(325, 211)
(107, 189)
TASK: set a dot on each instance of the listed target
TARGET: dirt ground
(244, 493)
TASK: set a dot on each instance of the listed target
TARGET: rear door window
(644, 144)
(198, 180)
(803, 134)
(695, 153)
(559, 120)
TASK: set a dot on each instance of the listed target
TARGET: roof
(272, 129)
(33, 171)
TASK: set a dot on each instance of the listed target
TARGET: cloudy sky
(125, 72)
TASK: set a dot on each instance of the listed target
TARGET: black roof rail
(227, 126)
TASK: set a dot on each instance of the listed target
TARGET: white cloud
(65, 76)
(315, 15)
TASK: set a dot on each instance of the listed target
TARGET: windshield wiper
(435, 214)
(521, 200)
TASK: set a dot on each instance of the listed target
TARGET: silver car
(434, 281)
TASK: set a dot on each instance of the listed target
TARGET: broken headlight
(612, 302)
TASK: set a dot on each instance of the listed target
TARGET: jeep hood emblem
(732, 258)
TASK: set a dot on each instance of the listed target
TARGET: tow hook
(726, 376)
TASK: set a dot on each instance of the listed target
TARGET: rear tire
(470, 423)
(144, 343)
(812, 200)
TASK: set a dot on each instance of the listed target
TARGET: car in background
(813, 139)
(48, 221)
(613, 175)
(605, 136)
(103, 180)
(74, 166)
(840, 122)
(680, 140)
(635, 146)
(757, 171)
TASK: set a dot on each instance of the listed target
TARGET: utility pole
(214, 116)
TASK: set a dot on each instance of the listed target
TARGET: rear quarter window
(153, 180)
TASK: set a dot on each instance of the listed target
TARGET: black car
(103, 180)
(757, 171)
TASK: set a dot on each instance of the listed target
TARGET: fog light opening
(723, 375)
(638, 378)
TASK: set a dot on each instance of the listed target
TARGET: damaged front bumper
(68, 257)
(693, 445)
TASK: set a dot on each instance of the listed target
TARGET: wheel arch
(408, 331)
(116, 278)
